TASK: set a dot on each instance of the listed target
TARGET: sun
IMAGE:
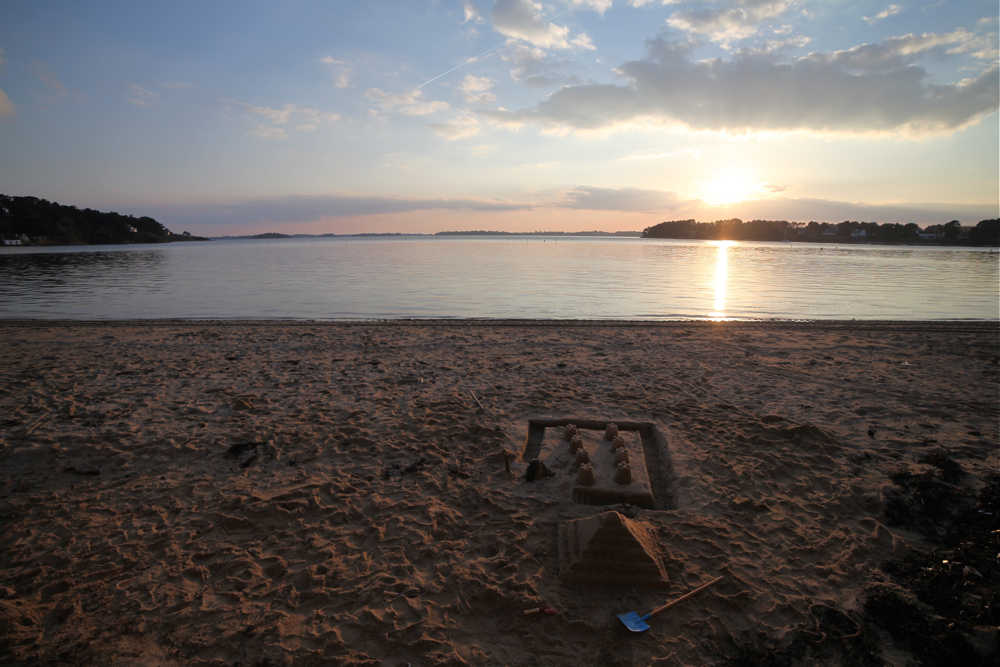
(729, 187)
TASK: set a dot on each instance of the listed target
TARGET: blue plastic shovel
(636, 623)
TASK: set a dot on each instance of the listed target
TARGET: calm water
(530, 278)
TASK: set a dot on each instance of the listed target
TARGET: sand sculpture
(608, 549)
(595, 462)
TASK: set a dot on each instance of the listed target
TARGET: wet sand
(239, 493)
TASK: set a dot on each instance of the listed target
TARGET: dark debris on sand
(398, 469)
(244, 453)
(940, 604)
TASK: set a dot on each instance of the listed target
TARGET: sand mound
(608, 549)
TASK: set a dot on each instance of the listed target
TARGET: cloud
(301, 209)
(523, 19)
(599, 6)
(822, 210)
(7, 109)
(46, 74)
(472, 12)
(140, 96)
(409, 103)
(389, 100)
(534, 67)
(475, 89)
(459, 128)
(425, 108)
(891, 11)
(619, 199)
(583, 42)
(268, 132)
(301, 119)
(727, 24)
(869, 89)
(896, 53)
(342, 71)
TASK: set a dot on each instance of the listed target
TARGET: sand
(271, 494)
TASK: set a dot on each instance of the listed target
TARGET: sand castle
(607, 460)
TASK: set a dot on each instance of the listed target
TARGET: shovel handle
(685, 597)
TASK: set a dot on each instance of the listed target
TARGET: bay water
(509, 277)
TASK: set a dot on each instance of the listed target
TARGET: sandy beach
(265, 494)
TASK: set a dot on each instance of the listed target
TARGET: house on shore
(9, 241)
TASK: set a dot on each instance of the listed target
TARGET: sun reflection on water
(721, 275)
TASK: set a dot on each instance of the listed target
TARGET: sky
(223, 117)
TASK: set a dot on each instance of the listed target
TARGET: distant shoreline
(637, 235)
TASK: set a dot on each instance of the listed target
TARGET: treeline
(986, 232)
(36, 221)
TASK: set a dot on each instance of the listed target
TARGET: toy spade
(636, 623)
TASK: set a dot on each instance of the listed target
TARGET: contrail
(469, 60)
(465, 62)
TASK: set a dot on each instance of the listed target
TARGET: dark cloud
(619, 199)
(303, 209)
(822, 210)
(868, 89)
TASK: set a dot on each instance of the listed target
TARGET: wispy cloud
(302, 209)
(884, 14)
(532, 66)
(279, 121)
(342, 71)
(48, 75)
(457, 128)
(869, 89)
(7, 109)
(599, 6)
(140, 96)
(409, 103)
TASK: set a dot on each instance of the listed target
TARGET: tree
(671, 229)
(952, 230)
(987, 232)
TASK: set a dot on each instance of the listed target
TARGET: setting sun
(729, 187)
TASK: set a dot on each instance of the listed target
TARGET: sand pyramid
(609, 550)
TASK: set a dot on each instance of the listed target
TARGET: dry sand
(367, 518)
